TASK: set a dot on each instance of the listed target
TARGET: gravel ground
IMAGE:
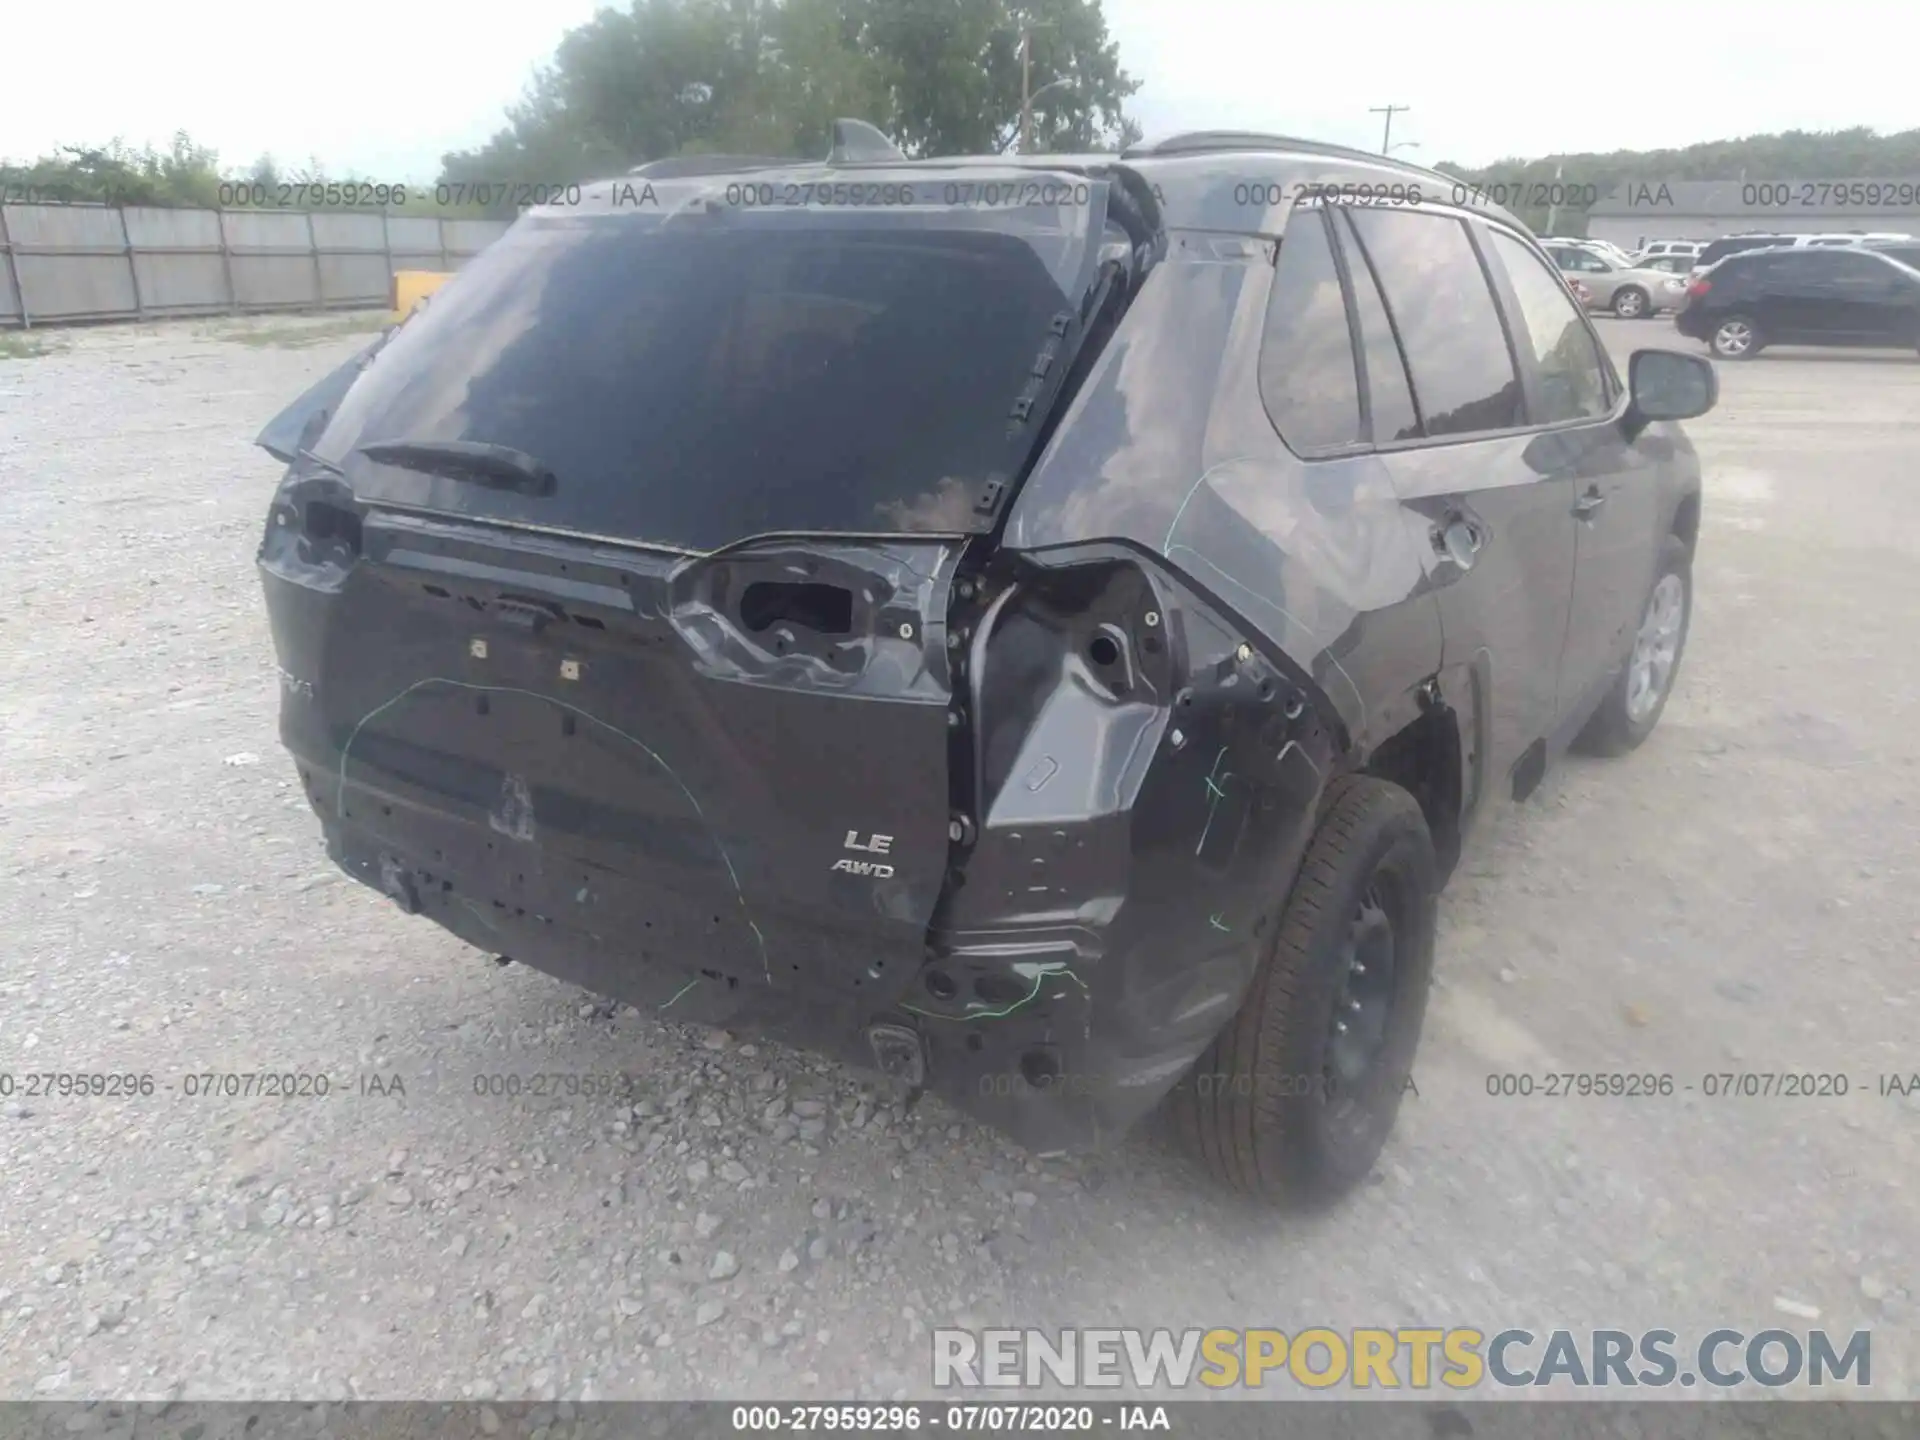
(748, 1221)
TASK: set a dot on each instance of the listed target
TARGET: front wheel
(1295, 1097)
(1635, 702)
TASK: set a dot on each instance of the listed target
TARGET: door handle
(1585, 507)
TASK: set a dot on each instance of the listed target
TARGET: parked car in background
(1803, 295)
(1603, 247)
(1669, 264)
(1086, 708)
(1718, 250)
(1853, 237)
(1661, 248)
(1629, 291)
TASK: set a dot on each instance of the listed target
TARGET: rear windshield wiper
(500, 466)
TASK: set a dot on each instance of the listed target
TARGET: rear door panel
(1616, 494)
(1500, 555)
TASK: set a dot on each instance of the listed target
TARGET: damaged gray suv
(1036, 627)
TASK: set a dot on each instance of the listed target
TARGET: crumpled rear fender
(1136, 776)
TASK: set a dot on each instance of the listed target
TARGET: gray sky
(1484, 79)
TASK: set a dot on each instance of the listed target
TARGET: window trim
(1363, 387)
(1617, 390)
(1348, 228)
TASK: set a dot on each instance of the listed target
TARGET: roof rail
(674, 167)
(1197, 142)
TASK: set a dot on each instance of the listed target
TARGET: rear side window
(1463, 375)
(1572, 383)
(1307, 376)
(1854, 269)
(1583, 261)
(1798, 265)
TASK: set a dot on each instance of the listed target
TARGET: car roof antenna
(855, 141)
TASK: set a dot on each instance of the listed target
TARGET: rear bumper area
(1046, 932)
(1044, 1032)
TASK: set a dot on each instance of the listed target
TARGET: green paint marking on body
(683, 990)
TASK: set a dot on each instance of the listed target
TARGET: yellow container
(411, 288)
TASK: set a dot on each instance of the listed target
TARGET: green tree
(955, 70)
(117, 174)
(669, 77)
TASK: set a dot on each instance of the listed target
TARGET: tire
(1627, 716)
(1734, 337)
(1630, 302)
(1264, 1109)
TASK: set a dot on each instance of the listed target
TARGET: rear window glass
(692, 384)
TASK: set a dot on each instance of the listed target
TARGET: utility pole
(1026, 89)
(1386, 140)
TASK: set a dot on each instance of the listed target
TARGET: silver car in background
(1631, 292)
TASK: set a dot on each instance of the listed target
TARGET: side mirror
(1666, 385)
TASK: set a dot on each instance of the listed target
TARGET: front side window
(1456, 348)
(1572, 379)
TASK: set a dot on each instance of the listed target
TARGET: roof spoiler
(855, 142)
(674, 167)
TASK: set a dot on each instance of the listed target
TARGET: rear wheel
(1294, 1099)
(1635, 703)
(1735, 338)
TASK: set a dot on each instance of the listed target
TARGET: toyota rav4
(1038, 627)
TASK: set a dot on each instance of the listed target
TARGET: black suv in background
(1038, 627)
(1812, 295)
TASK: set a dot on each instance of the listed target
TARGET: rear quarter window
(1307, 374)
